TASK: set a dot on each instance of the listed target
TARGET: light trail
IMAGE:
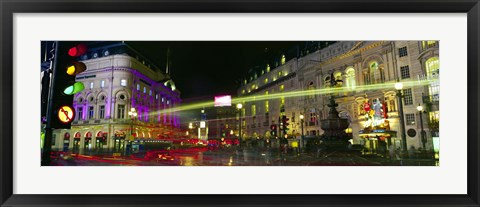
(299, 93)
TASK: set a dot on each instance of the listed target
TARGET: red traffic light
(77, 50)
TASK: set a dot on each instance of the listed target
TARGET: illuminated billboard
(223, 100)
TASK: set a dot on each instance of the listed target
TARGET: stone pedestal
(334, 137)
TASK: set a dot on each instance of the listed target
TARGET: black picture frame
(10, 7)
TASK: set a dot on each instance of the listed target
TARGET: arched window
(311, 87)
(350, 78)
(432, 67)
(374, 74)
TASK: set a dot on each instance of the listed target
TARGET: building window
(391, 103)
(410, 119)
(168, 102)
(405, 71)
(123, 82)
(156, 96)
(163, 99)
(375, 74)
(282, 87)
(266, 80)
(121, 111)
(150, 92)
(283, 60)
(254, 110)
(267, 108)
(432, 67)
(313, 118)
(144, 89)
(138, 87)
(79, 113)
(90, 112)
(311, 87)
(402, 51)
(428, 44)
(102, 83)
(350, 78)
(407, 96)
(101, 111)
(91, 85)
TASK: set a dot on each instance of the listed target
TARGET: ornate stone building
(366, 94)
(118, 79)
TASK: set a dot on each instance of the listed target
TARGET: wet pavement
(232, 157)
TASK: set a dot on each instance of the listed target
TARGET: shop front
(119, 141)
(100, 141)
(76, 143)
(87, 144)
(379, 141)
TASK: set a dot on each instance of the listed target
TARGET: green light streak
(252, 98)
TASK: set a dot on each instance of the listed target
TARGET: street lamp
(422, 133)
(301, 121)
(132, 113)
(239, 107)
(399, 87)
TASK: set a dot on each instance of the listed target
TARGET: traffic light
(61, 113)
(273, 130)
(285, 124)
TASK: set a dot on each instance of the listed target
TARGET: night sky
(202, 69)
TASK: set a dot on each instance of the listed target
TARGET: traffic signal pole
(47, 141)
(47, 146)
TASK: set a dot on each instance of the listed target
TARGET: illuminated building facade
(117, 80)
(366, 95)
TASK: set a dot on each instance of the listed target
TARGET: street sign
(65, 114)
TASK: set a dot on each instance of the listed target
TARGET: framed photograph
(265, 103)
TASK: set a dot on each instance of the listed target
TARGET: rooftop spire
(167, 68)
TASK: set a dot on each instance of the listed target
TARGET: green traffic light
(75, 88)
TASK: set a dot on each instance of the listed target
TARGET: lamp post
(422, 133)
(132, 113)
(239, 107)
(399, 87)
(301, 122)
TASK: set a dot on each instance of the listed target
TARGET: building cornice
(352, 52)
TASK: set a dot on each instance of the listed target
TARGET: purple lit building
(118, 80)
